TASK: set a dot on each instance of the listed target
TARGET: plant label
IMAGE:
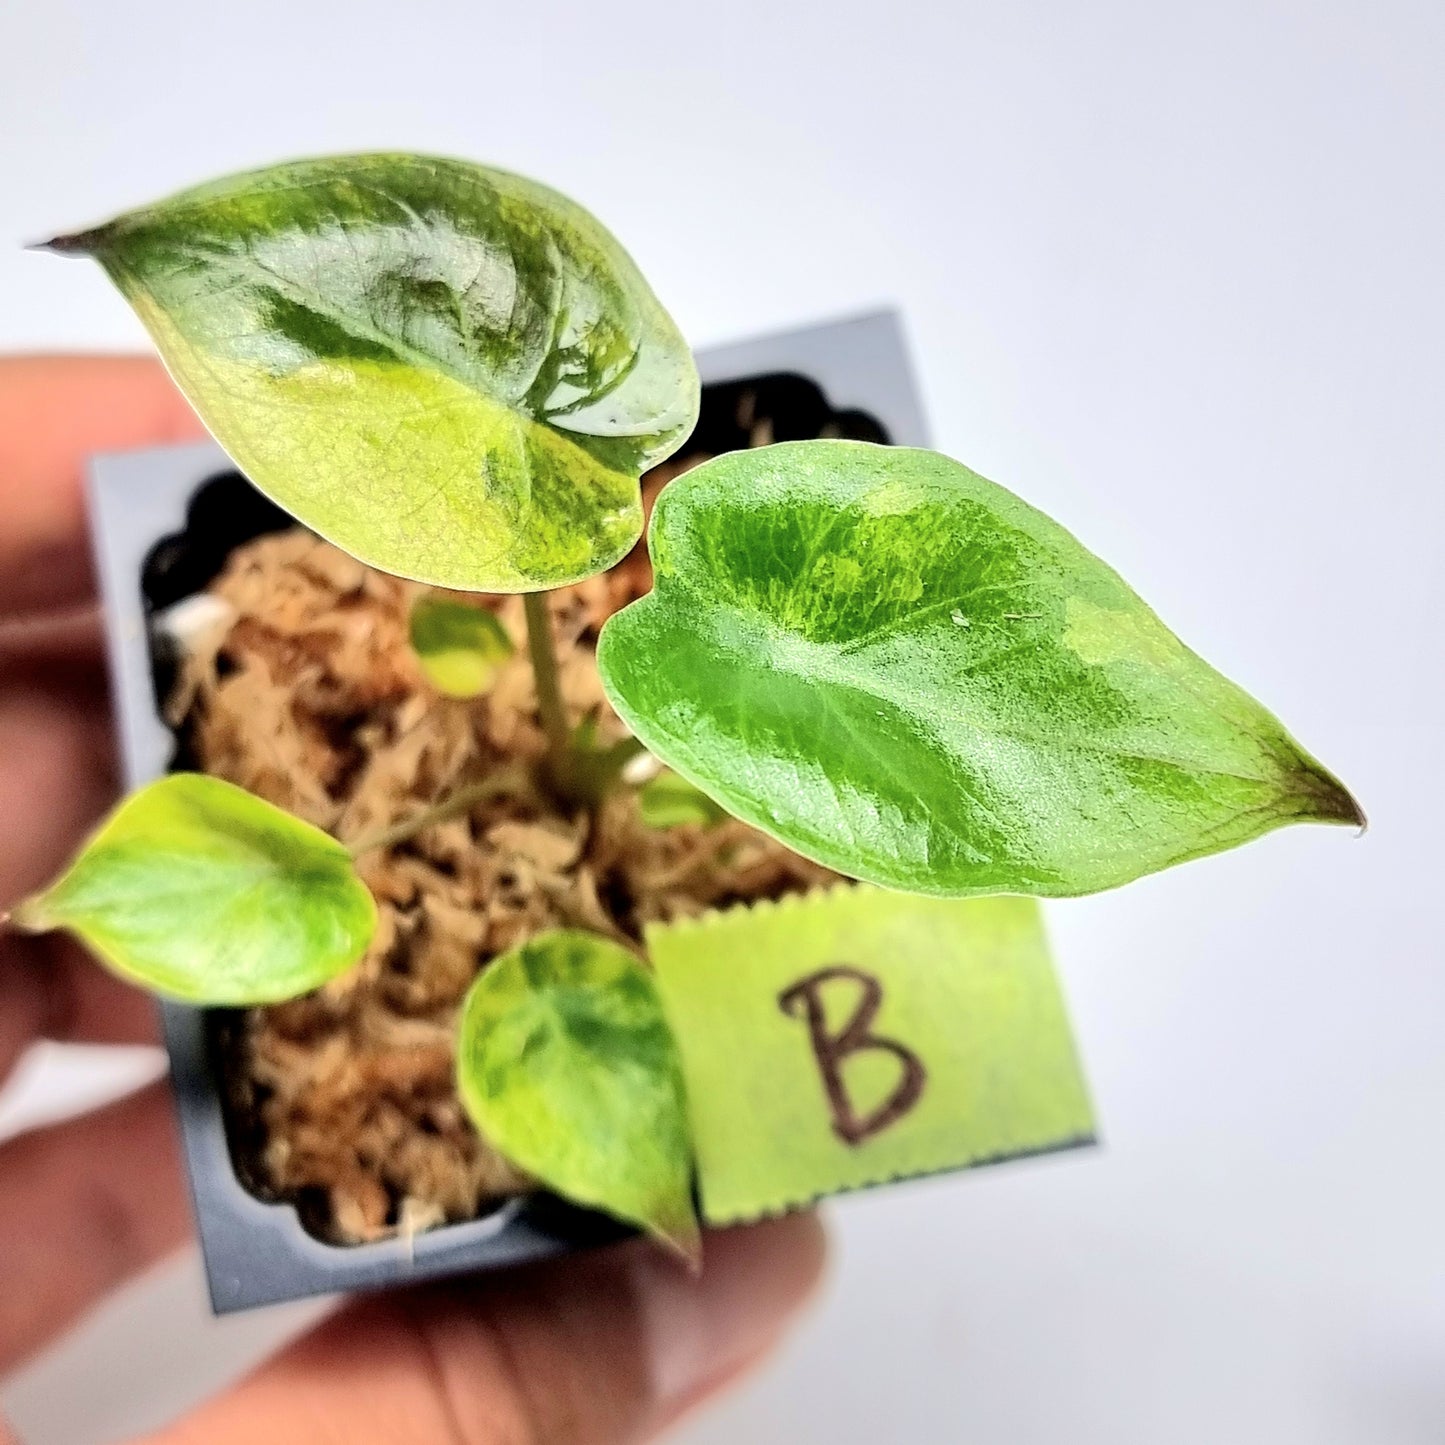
(855, 1036)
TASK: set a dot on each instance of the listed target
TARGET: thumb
(605, 1349)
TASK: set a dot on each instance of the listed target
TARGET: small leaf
(200, 891)
(669, 800)
(567, 1066)
(461, 648)
(906, 673)
(452, 372)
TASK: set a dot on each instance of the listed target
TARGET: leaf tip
(78, 243)
(683, 1242)
(27, 916)
(1329, 801)
(1356, 814)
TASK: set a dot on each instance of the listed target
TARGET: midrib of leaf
(247, 890)
(929, 610)
(783, 651)
(245, 873)
(423, 361)
(470, 380)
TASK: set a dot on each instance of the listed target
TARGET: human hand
(609, 1347)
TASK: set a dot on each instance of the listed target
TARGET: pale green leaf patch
(452, 372)
(567, 1066)
(670, 801)
(202, 892)
(905, 672)
(461, 647)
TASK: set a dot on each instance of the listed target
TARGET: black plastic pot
(163, 523)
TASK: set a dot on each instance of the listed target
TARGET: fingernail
(699, 1332)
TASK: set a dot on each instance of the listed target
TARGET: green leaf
(452, 372)
(461, 648)
(906, 673)
(200, 891)
(669, 800)
(567, 1066)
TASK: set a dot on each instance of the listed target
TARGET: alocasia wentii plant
(890, 664)
(907, 673)
(199, 891)
(452, 372)
(601, 1084)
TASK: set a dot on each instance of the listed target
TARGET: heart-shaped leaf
(905, 672)
(200, 891)
(567, 1066)
(461, 648)
(452, 372)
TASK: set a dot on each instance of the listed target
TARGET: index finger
(55, 411)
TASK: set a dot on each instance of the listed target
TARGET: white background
(1173, 272)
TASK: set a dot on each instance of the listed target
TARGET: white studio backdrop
(1172, 272)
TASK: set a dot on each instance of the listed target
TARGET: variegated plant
(890, 664)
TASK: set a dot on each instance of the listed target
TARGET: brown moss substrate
(308, 694)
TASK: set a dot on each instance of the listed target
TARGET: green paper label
(853, 1037)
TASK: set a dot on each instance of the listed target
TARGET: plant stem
(508, 781)
(550, 710)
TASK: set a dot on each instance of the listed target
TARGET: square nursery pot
(164, 523)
